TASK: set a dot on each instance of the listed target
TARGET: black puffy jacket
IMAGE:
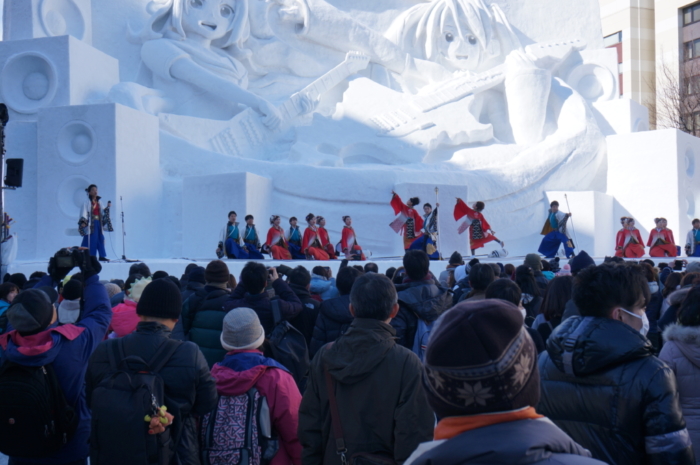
(334, 319)
(203, 319)
(604, 388)
(418, 299)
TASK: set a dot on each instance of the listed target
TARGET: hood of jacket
(320, 284)
(601, 344)
(677, 297)
(301, 292)
(687, 339)
(69, 311)
(424, 298)
(359, 351)
(240, 370)
(337, 309)
(38, 349)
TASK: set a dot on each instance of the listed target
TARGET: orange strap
(453, 426)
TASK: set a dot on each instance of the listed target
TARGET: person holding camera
(34, 339)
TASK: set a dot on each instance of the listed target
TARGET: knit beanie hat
(480, 359)
(533, 261)
(693, 267)
(581, 261)
(31, 312)
(160, 299)
(460, 273)
(456, 259)
(136, 289)
(216, 272)
(112, 289)
(242, 330)
(72, 290)
(197, 275)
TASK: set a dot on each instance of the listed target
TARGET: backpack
(35, 419)
(288, 347)
(119, 404)
(420, 341)
(238, 430)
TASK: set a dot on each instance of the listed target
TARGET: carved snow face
(458, 51)
(211, 19)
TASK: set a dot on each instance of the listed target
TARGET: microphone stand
(121, 199)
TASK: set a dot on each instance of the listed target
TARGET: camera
(65, 258)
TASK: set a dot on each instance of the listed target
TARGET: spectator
(462, 287)
(250, 293)
(369, 372)
(481, 380)
(232, 283)
(455, 261)
(8, 291)
(532, 296)
(190, 389)
(399, 275)
(681, 351)
(195, 282)
(19, 279)
(174, 280)
(676, 299)
(112, 289)
(69, 308)
(334, 316)
(535, 263)
(124, 316)
(35, 339)
(184, 279)
(371, 268)
(509, 270)
(160, 274)
(245, 367)
(323, 283)
(671, 284)
(203, 313)
(300, 283)
(558, 294)
(34, 279)
(507, 290)
(480, 276)
(139, 268)
(654, 306)
(419, 297)
(579, 263)
(390, 272)
(600, 382)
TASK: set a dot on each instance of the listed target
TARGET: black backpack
(35, 419)
(288, 347)
(120, 403)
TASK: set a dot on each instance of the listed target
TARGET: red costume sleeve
(620, 239)
(344, 245)
(462, 210)
(651, 234)
(639, 237)
(308, 238)
(270, 237)
(323, 236)
(669, 236)
(485, 226)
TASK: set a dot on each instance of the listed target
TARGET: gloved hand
(89, 265)
(57, 274)
(284, 270)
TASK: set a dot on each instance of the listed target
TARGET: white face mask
(645, 321)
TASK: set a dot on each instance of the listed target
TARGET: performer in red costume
(480, 230)
(276, 243)
(311, 245)
(324, 237)
(408, 222)
(661, 240)
(348, 242)
(629, 242)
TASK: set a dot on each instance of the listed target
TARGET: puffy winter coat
(203, 319)
(124, 318)
(418, 299)
(324, 287)
(334, 319)
(189, 387)
(306, 319)
(604, 388)
(382, 404)
(681, 352)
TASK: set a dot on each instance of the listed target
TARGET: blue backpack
(420, 341)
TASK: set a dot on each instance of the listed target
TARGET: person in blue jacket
(33, 328)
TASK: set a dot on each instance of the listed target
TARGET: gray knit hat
(693, 267)
(242, 330)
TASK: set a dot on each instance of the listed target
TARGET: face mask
(523, 311)
(645, 321)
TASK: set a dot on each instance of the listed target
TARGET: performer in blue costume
(231, 239)
(428, 239)
(92, 220)
(251, 239)
(555, 233)
(294, 238)
(692, 241)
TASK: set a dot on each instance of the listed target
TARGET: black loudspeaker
(15, 166)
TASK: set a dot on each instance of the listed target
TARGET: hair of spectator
(689, 313)
(371, 267)
(480, 276)
(417, 264)
(558, 294)
(598, 290)
(346, 278)
(300, 276)
(254, 277)
(525, 278)
(504, 289)
(373, 296)
(140, 268)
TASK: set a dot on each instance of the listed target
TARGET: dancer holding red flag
(480, 232)
(408, 222)
(311, 245)
(629, 241)
(276, 243)
(661, 240)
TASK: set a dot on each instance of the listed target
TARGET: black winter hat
(581, 261)
(456, 259)
(31, 312)
(72, 290)
(160, 299)
(480, 359)
(216, 272)
(197, 275)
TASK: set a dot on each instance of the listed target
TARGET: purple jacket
(290, 305)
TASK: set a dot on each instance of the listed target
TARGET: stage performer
(311, 245)
(661, 240)
(93, 219)
(427, 241)
(294, 240)
(629, 241)
(408, 222)
(324, 237)
(230, 243)
(348, 242)
(276, 242)
(251, 239)
(480, 232)
(692, 240)
(555, 233)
